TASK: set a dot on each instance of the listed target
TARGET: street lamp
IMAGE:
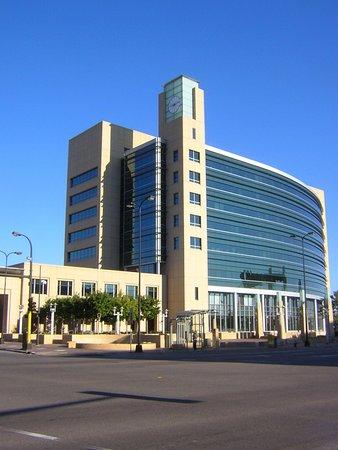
(30, 300)
(304, 236)
(4, 317)
(138, 348)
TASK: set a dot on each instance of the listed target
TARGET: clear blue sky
(269, 70)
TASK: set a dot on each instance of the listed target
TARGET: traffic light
(31, 305)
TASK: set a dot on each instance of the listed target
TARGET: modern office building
(222, 237)
(226, 231)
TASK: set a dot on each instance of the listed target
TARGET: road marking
(36, 435)
(97, 448)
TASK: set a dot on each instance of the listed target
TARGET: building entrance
(190, 328)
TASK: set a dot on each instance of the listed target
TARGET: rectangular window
(151, 292)
(81, 234)
(175, 198)
(176, 243)
(195, 220)
(195, 242)
(175, 155)
(111, 289)
(65, 287)
(195, 199)
(196, 293)
(176, 220)
(83, 177)
(294, 315)
(175, 176)
(83, 253)
(194, 156)
(194, 177)
(83, 215)
(88, 288)
(194, 133)
(39, 286)
(82, 196)
(131, 290)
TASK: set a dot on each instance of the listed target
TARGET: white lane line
(97, 448)
(36, 435)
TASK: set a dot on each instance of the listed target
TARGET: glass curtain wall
(143, 174)
(222, 308)
(251, 213)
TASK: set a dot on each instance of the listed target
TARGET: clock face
(174, 104)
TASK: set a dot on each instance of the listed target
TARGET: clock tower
(182, 128)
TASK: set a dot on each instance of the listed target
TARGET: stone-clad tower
(181, 126)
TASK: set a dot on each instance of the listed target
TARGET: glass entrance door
(246, 315)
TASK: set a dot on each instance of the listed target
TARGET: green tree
(149, 307)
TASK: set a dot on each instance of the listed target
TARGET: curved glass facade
(251, 214)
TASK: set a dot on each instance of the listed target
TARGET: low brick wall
(156, 339)
(110, 347)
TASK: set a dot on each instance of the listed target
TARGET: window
(175, 198)
(81, 234)
(194, 177)
(194, 133)
(83, 253)
(195, 242)
(65, 287)
(194, 156)
(321, 315)
(293, 307)
(111, 289)
(176, 243)
(196, 293)
(83, 215)
(195, 220)
(195, 199)
(83, 177)
(176, 220)
(39, 286)
(151, 292)
(131, 290)
(175, 176)
(175, 155)
(88, 288)
(82, 196)
(270, 313)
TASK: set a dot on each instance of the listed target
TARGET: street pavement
(233, 398)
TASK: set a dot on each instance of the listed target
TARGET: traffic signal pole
(29, 327)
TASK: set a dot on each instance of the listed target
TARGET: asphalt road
(228, 399)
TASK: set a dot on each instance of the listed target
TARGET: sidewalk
(17, 348)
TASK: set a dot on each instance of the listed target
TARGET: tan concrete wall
(100, 146)
(321, 196)
(77, 275)
(84, 154)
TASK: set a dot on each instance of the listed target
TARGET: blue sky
(269, 70)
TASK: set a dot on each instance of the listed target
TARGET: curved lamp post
(150, 198)
(4, 317)
(29, 315)
(304, 236)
